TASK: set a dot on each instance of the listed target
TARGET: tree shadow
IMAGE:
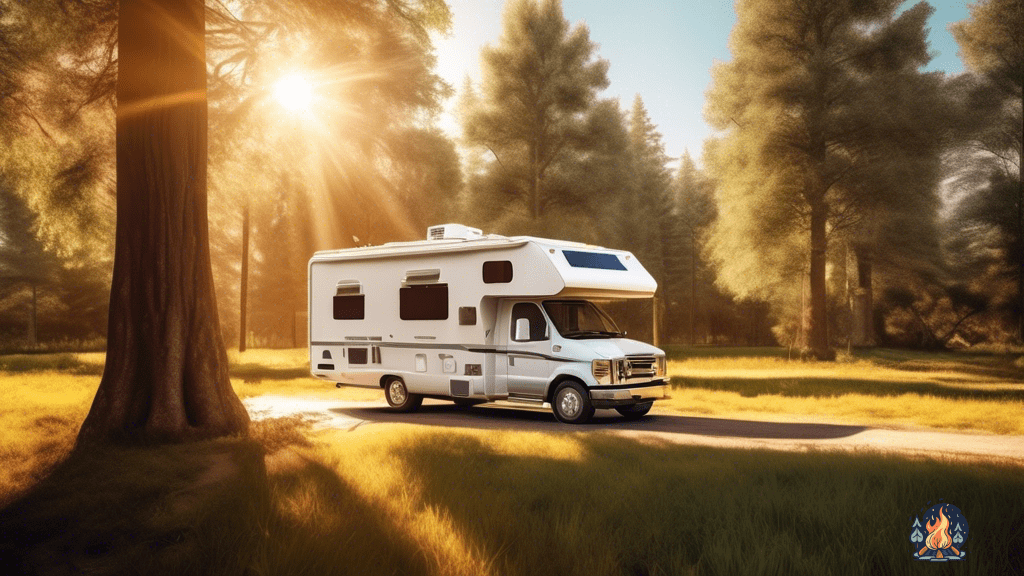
(491, 418)
(832, 387)
(215, 507)
(256, 371)
(614, 506)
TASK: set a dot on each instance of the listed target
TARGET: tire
(635, 411)
(571, 403)
(398, 396)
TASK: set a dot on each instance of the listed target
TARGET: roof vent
(453, 232)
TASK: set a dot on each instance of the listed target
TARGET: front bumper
(626, 395)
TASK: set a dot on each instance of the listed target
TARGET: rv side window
(350, 307)
(497, 272)
(538, 325)
(423, 302)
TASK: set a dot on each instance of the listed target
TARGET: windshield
(580, 319)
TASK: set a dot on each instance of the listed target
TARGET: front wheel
(572, 403)
(398, 396)
(635, 411)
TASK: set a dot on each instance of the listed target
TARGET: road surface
(675, 428)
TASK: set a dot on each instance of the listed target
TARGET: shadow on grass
(204, 508)
(832, 387)
(254, 372)
(487, 417)
(612, 507)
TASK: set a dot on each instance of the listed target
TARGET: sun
(294, 91)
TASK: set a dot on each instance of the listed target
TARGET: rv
(473, 318)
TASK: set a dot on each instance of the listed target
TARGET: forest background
(849, 197)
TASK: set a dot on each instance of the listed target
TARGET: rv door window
(532, 313)
(497, 272)
(423, 302)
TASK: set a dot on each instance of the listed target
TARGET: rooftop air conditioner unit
(453, 232)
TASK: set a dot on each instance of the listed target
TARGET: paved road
(721, 432)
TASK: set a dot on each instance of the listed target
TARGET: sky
(662, 50)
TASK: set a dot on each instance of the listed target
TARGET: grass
(981, 392)
(401, 499)
(46, 398)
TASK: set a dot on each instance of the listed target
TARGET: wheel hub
(397, 391)
(570, 404)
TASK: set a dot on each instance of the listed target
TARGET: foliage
(537, 113)
(808, 102)
(990, 220)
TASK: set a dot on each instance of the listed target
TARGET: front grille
(642, 365)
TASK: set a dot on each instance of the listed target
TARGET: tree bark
(166, 374)
(817, 329)
(863, 303)
(244, 287)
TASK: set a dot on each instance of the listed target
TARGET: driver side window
(538, 325)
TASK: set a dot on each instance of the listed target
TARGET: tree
(695, 211)
(992, 46)
(797, 102)
(647, 206)
(166, 374)
(23, 258)
(539, 83)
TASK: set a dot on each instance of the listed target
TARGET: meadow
(395, 498)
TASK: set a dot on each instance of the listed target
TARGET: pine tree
(539, 82)
(798, 100)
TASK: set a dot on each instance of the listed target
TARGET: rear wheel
(635, 411)
(398, 396)
(571, 403)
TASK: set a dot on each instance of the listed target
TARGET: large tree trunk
(817, 329)
(166, 375)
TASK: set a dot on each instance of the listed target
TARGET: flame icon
(940, 542)
(938, 532)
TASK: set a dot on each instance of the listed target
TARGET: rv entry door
(528, 339)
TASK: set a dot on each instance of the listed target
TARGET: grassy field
(402, 499)
(47, 395)
(982, 392)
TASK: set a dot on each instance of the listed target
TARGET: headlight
(622, 369)
(602, 370)
(662, 366)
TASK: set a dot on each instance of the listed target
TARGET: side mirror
(522, 330)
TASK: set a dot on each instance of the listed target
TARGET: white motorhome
(476, 318)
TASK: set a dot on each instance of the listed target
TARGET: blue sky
(661, 49)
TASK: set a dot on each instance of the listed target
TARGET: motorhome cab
(476, 318)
